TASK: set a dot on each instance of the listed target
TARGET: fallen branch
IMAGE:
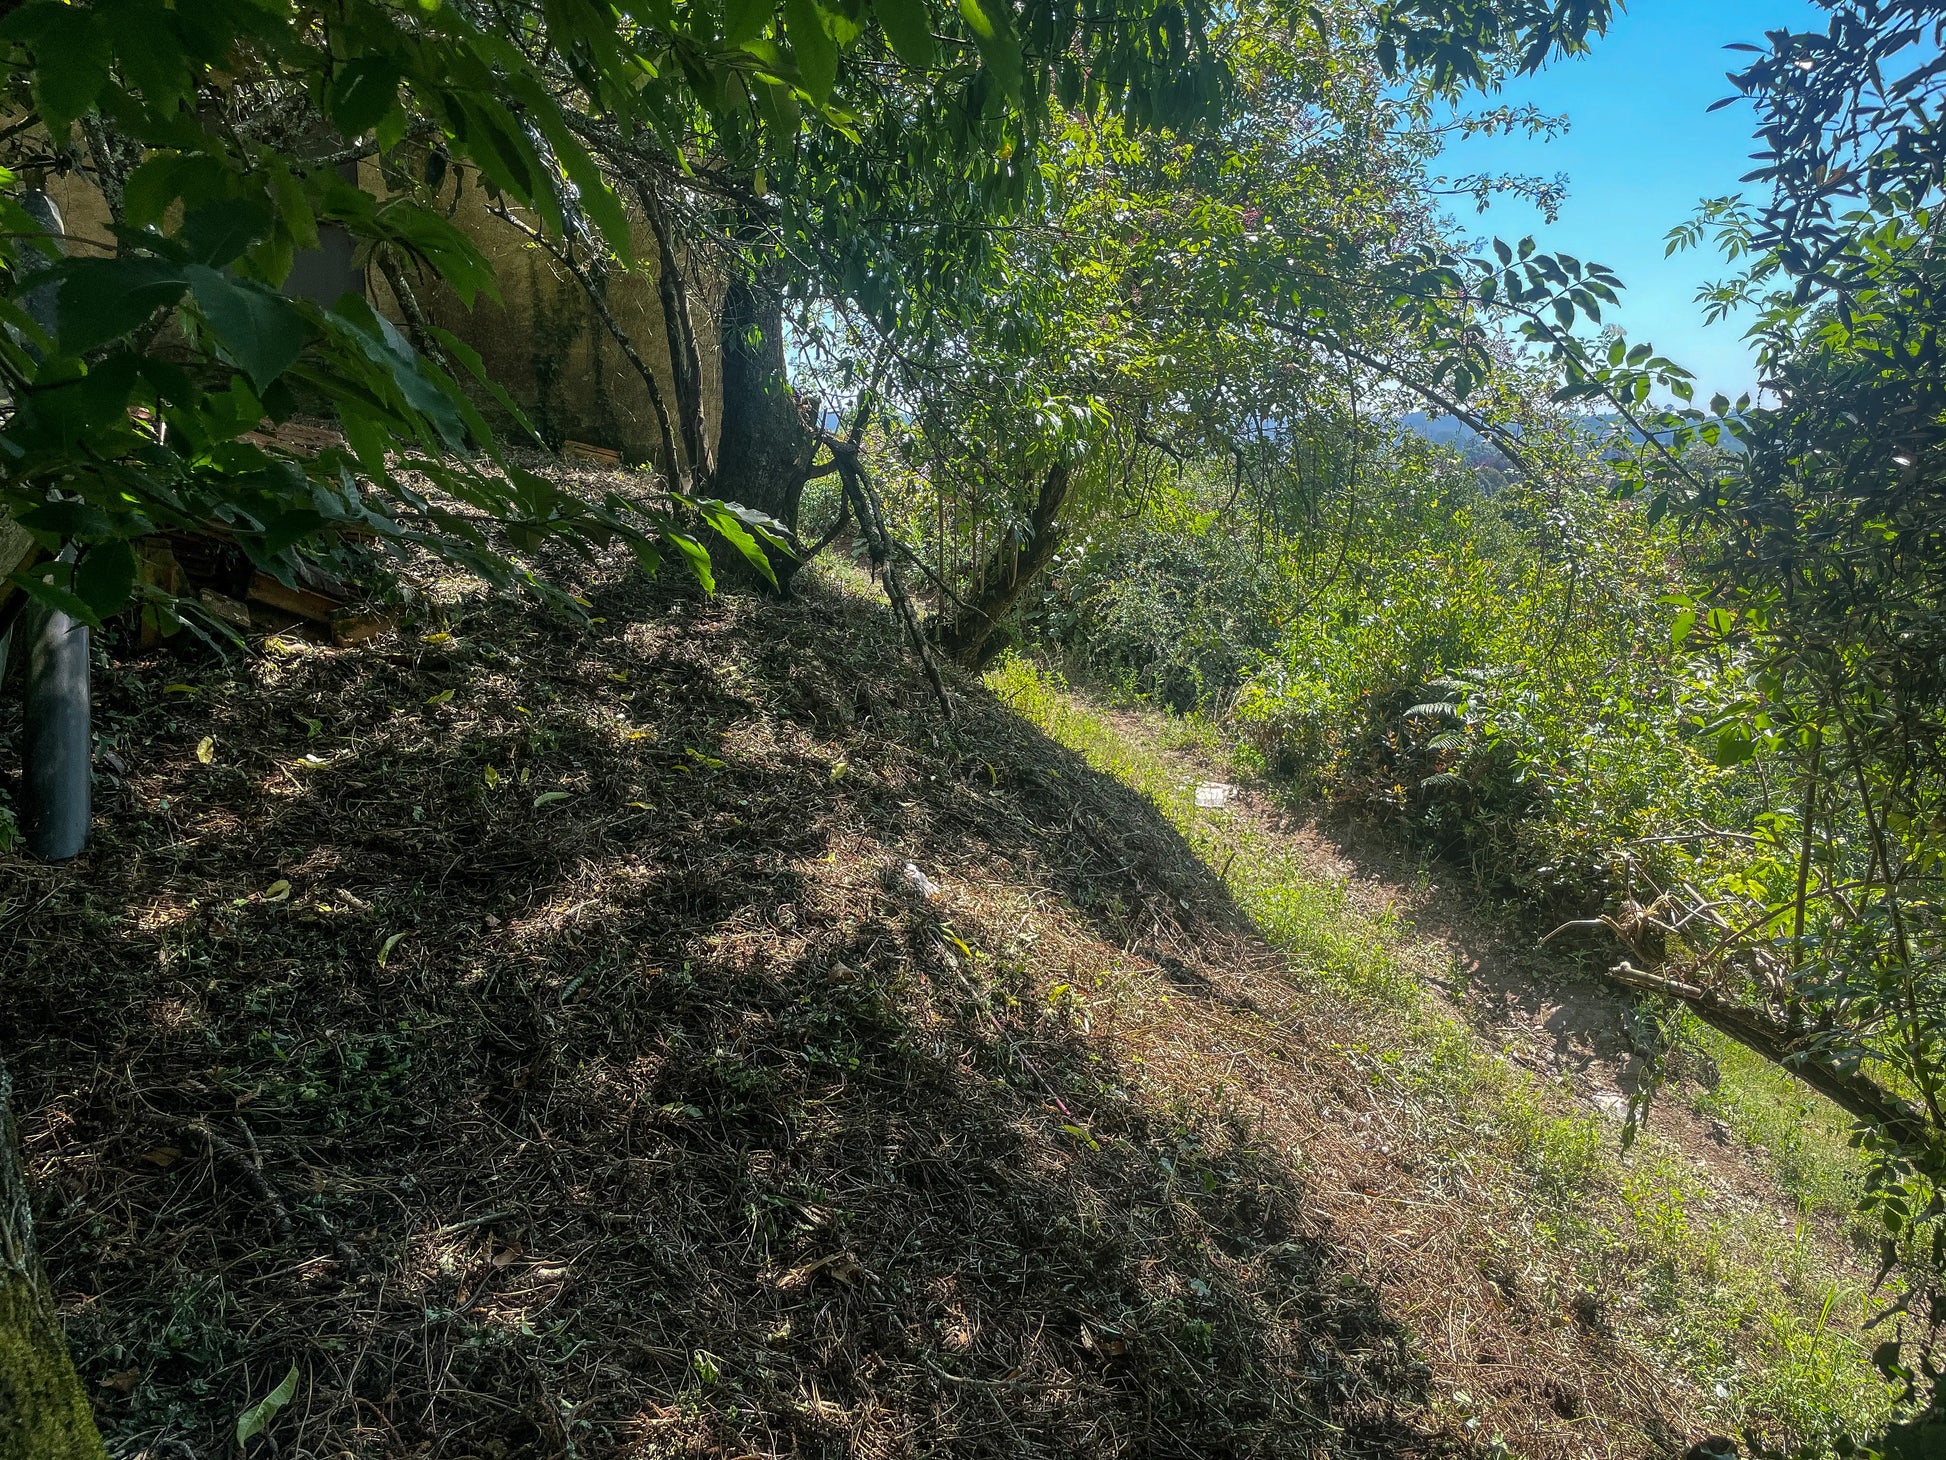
(250, 1164)
(1854, 1093)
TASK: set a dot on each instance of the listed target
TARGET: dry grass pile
(526, 1031)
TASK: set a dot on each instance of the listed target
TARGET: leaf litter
(681, 1132)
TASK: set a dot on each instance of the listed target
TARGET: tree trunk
(966, 631)
(764, 446)
(679, 326)
(43, 1409)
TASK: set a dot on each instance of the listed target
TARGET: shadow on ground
(563, 1067)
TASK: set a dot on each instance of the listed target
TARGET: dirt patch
(526, 1030)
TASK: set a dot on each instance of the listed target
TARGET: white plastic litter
(919, 882)
(1214, 797)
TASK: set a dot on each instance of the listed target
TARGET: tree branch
(565, 257)
(1856, 1094)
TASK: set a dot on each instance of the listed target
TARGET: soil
(1545, 1006)
(529, 1034)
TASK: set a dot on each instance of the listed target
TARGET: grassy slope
(1765, 1331)
(527, 1033)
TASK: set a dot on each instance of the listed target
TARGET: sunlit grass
(1762, 1327)
(1805, 1139)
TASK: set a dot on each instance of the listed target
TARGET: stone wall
(543, 340)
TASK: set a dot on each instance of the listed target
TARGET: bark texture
(44, 1411)
(685, 358)
(1856, 1094)
(764, 447)
(966, 631)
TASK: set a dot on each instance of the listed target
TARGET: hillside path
(1548, 1011)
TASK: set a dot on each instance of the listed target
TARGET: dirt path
(1549, 1011)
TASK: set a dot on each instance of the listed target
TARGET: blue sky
(1642, 149)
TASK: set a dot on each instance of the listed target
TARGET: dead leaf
(278, 891)
(206, 749)
(1107, 1344)
(505, 1255)
(844, 1266)
(163, 1156)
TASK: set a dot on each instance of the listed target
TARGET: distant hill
(1475, 448)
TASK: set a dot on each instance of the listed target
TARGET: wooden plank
(294, 437)
(308, 603)
(598, 455)
(350, 626)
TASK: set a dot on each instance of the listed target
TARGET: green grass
(1711, 1292)
(1805, 1140)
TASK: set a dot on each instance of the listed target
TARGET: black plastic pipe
(57, 791)
(57, 744)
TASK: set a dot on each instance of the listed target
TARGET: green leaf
(369, 441)
(217, 233)
(362, 93)
(98, 300)
(261, 332)
(67, 519)
(998, 48)
(1732, 748)
(816, 53)
(91, 407)
(149, 48)
(56, 597)
(294, 209)
(781, 114)
(256, 1419)
(744, 20)
(908, 26)
(380, 341)
(106, 577)
(739, 537)
(696, 555)
(597, 199)
(71, 59)
(469, 357)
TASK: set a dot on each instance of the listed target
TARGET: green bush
(1175, 616)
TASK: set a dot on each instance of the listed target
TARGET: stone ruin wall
(542, 340)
